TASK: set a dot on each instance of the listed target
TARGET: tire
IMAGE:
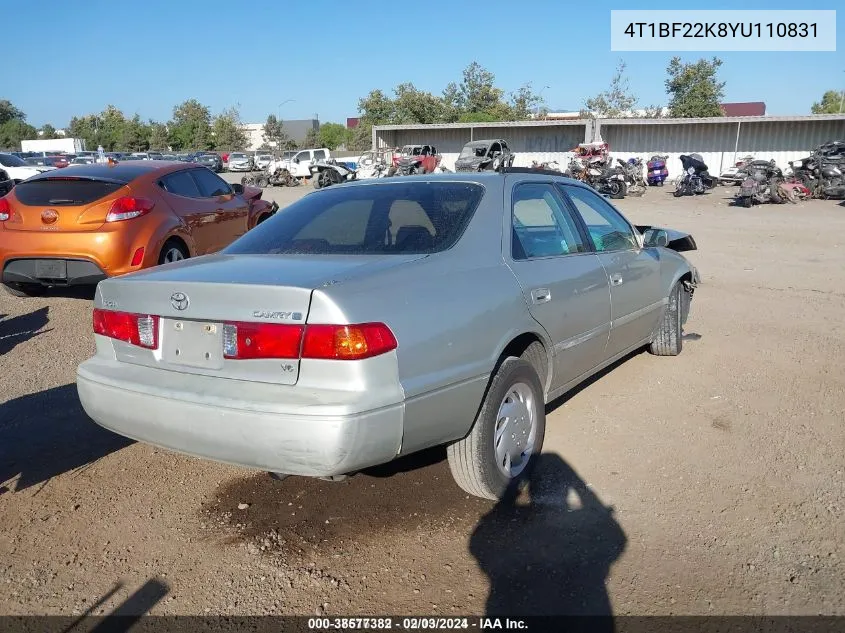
(679, 191)
(315, 180)
(747, 201)
(172, 251)
(473, 460)
(668, 339)
(263, 182)
(618, 189)
(24, 290)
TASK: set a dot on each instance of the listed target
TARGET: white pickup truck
(299, 163)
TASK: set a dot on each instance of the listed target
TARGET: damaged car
(485, 155)
(415, 159)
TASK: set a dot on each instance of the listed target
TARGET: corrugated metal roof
(620, 121)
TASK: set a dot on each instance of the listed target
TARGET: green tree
(614, 102)
(9, 112)
(190, 127)
(832, 102)
(333, 135)
(523, 102)
(377, 108)
(47, 132)
(135, 135)
(361, 138)
(13, 131)
(694, 89)
(312, 138)
(477, 91)
(416, 106)
(275, 133)
(111, 128)
(228, 131)
(158, 136)
(87, 128)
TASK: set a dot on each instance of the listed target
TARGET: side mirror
(655, 237)
(296, 160)
(237, 188)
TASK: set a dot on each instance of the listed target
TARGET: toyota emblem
(179, 300)
(48, 216)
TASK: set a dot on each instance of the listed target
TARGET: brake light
(347, 342)
(243, 341)
(137, 329)
(5, 210)
(129, 207)
(137, 257)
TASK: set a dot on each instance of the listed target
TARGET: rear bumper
(239, 168)
(73, 272)
(244, 433)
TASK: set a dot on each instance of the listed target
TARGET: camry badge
(179, 300)
(48, 216)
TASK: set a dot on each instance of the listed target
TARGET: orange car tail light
(137, 329)
(243, 341)
(137, 257)
(347, 342)
(129, 207)
(5, 210)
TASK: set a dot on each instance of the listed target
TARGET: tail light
(261, 340)
(137, 329)
(129, 207)
(5, 210)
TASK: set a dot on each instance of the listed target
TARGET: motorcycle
(821, 172)
(735, 175)
(696, 179)
(274, 176)
(633, 172)
(325, 173)
(762, 182)
(591, 165)
(657, 172)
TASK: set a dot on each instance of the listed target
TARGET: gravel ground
(710, 483)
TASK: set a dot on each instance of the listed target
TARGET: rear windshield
(395, 218)
(63, 192)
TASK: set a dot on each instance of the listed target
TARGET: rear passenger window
(181, 184)
(542, 227)
(319, 154)
(210, 184)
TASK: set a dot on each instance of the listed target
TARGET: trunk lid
(62, 204)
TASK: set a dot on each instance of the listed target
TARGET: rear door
(562, 280)
(231, 212)
(633, 272)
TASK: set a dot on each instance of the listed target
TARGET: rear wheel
(747, 201)
(618, 188)
(172, 251)
(24, 290)
(668, 340)
(507, 435)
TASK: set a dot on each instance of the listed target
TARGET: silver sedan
(374, 319)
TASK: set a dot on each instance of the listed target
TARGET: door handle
(541, 295)
(616, 279)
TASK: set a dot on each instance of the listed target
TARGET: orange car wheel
(172, 251)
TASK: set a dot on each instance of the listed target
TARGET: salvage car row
(294, 303)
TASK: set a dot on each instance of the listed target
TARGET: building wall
(783, 139)
(296, 129)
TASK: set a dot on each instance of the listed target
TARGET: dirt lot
(723, 467)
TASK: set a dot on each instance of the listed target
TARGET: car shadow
(547, 547)
(16, 330)
(562, 399)
(46, 434)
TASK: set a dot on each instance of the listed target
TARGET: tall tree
(618, 100)
(13, 131)
(87, 128)
(477, 91)
(158, 136)
(190, 127)
(9, 112)
(47, 131)
(377, 108)
(694, 89)
(228, 131)
(111, 126)
(832, 102)
(523, 102)
(333, 135)
(312, 138)
(361, 138)
(275, 133)
(135, 135)
(416, 106)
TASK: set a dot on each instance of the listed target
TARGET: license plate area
(192, 343)
(51, 269)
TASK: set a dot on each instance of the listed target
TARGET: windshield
(395, 218)
(473, 151)
(8, 160)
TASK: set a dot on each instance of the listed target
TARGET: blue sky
(145, 56)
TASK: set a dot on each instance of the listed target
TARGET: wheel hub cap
(515, 430)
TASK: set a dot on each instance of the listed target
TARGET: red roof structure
(352, 122)
(747, 108)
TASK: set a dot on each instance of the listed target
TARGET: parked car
(296, 360)
(19, 169)
(7, 183)
(210, 160)
(238, 161)
(55, 162)
(98, 221)
(484, 155)
(262, 161)
(299, 163)
(415, 159)
(83, 160)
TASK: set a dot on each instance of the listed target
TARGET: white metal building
(720, 140)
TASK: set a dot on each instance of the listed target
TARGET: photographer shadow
(549, 553)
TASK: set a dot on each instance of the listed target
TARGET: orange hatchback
(84, 223)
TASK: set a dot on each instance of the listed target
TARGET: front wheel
(618, 188)
(680, 189)
(507, 435)
(668, 340)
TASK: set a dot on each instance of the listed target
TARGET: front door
(231, 212)
(633, 272)
(563, 282)
(301, 164)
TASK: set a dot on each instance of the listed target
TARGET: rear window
(395, 218)
(63, 192)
